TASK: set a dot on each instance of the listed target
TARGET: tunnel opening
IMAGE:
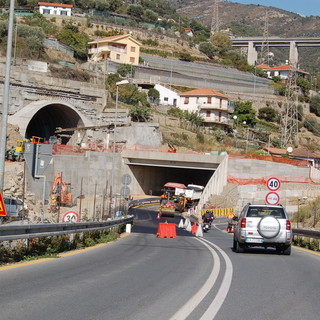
(152, 178)
(45, 122)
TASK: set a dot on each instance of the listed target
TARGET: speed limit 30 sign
(273, 184)
(71, 217)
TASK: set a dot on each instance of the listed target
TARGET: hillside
(249, 20)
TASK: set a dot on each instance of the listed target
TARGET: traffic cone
(188, 228)
(186, 223)
(158, 216)
(180, 224)
(199, 232)
(194, 228)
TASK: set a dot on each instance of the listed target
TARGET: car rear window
(266, 211)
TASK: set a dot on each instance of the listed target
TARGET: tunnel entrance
(152, 179)
(45, 121)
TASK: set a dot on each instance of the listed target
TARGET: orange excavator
(60, 193)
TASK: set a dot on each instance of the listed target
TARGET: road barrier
(30, 231)
(167, 230)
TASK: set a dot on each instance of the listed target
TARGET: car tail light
(243, 222)
(288, 225)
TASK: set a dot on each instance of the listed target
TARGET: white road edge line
(223, 290)
(193, 302)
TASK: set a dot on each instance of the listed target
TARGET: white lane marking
(224, 288)
(193, 302)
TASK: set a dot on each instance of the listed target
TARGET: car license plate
(254, 240)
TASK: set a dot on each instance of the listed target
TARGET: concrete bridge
(252, 43)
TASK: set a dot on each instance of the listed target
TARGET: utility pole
(289, 127)
(264, 52)
(215, 22)
(6, 91)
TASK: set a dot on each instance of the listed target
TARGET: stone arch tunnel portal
(50, 117)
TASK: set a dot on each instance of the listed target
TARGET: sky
(302, 7)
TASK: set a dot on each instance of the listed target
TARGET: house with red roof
(214, 107)
(281, 71)
(123, 49)
(55, 8)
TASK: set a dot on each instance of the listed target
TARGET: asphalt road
(144, 277)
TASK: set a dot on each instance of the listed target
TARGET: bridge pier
(293, 54)
(252, 54)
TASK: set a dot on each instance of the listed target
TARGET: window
(46, 11)
(186, 100)
(133, 49)
(220, 103)
(209, 100)
(131, 59)
(118, 56)
(63, 13)
(166, 99)
(208, 113)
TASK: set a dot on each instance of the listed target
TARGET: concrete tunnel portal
(151, 170)
(42, 118)
(45, 121)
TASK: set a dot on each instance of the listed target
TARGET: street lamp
(119, 83)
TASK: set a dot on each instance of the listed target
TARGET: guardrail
(30, 231)
(306, 233)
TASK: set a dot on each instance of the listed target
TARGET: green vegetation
(315, 105)
(51, 246)
(268, 114)
(244, 112)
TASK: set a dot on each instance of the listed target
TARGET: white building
(168, 97)
(55, 8)
(213, 106)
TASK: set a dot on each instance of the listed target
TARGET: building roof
(48, 4)
(276, 151)
(303, 153)
(115, 38)
(203, 92)
(284, 67)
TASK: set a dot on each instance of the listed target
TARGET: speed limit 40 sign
(273, 184)
(71, 217)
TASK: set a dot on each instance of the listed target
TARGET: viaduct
(252, 43)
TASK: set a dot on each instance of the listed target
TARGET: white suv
(263, 226)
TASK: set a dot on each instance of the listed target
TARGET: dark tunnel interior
(152, 179)
(44, 123)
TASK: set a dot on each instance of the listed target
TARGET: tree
(126, 70)
(268, 114)
(139, 113)
(315, 105)
(221, 43)
(78, 41)
(135, 11)
(150, 16)
(304, 85)
(245, 112)
(208, 49)
(153, 94)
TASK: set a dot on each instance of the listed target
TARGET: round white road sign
(273, 184)
(71, 217)
(272, 198)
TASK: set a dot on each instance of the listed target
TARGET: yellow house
(120, 48)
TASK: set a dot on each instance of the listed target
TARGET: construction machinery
(60, 193)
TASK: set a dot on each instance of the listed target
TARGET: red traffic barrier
(194, 228)
(166, 230)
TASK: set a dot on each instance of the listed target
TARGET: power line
(264, 52)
